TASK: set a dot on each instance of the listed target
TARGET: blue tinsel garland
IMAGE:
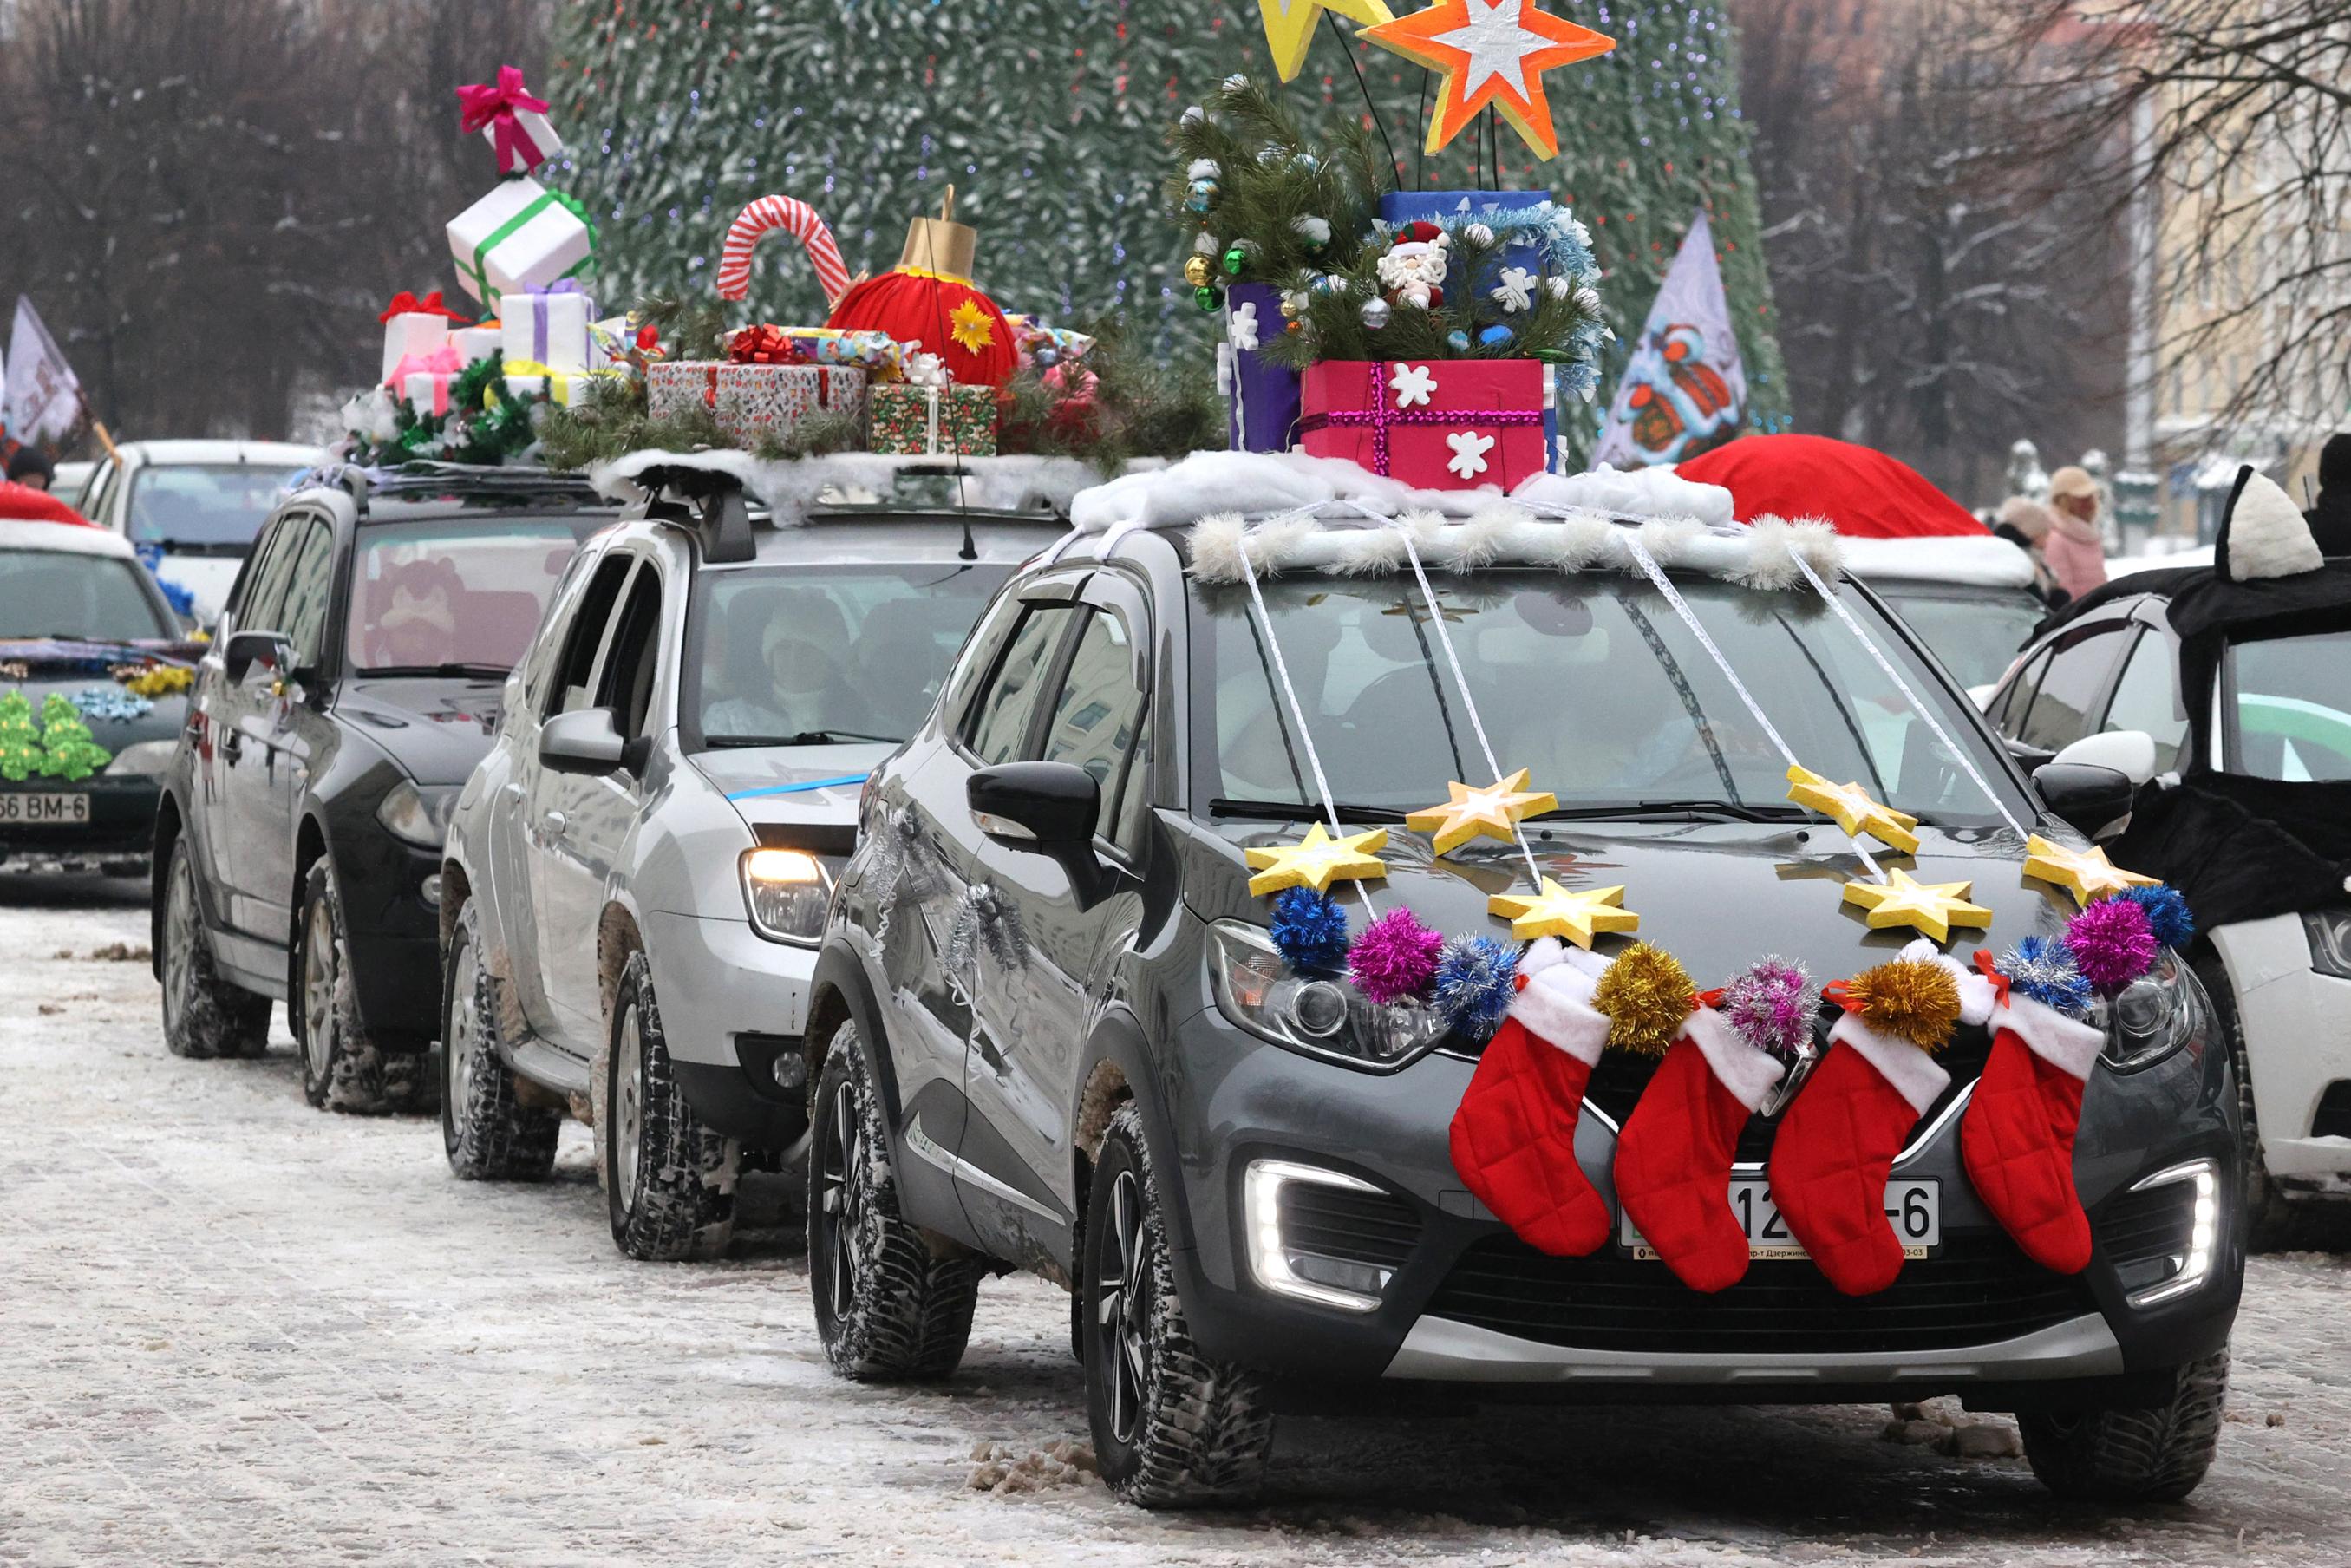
(2168, 915)
(2042, 968)
(1475, 978)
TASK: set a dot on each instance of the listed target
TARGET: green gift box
(924, 422)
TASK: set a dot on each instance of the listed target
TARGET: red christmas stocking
(1672, 1158)
(2017, 1138)
(1835, 1148)
(1514, 1135)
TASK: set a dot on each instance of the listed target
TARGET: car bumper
(119, 834)
(392, 918)
(2297, 1028)
(1462, 1300)
(733, 1006)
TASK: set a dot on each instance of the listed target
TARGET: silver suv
(637, 875)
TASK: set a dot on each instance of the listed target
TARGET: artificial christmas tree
(68, 751)
(20, 739)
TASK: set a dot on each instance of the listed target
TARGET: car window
(100, 491)
(2016, 699)
(2288, 703)
(625, 684)
(203, 502)
(546, 643)
(65, 594)
(262, 590)
(1975, 635)
(585, 639)
(432, 594)
(999, 725)
(1094, 717)
(1134, 793)
(2147, 698)
(2067, 699)
(310, 579)
(978, 657)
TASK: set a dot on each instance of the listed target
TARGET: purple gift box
(1261, 397)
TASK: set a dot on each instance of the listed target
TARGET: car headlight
(2154, 1016)
(2329, 931)
(149, 759)
(417, 813)
(787, 892)
(1256, 991)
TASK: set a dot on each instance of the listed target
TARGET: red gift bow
(485, 104)
(1835, 991)
(762, 346)
(1991, 972)
(406, 304)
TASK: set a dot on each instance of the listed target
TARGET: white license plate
(18, 809)
(1915, 1209)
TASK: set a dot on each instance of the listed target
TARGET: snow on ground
(235, 1330)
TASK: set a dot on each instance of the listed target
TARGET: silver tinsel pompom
(1375, 313)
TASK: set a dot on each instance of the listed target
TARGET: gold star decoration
(1493, 813)
(1853, 809)
(1289, 26)
(1490, 52)
(2087, 874)
(1556, 912)
(1317, 861)
(968, 325)
(1931, 909)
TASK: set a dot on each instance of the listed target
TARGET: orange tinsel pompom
(1647, 996)
(1909, 998)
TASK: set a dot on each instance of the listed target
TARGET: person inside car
(803, 689)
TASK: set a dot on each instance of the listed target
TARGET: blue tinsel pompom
(2168, 915)
(2042, 968)
(1311, 929)
(1475, 978)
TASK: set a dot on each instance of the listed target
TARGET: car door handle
(553, 824)
(233, 745)
(511, 794)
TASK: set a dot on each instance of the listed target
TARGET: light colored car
(1969, 598)
(192, 509)
(638, 873)
(72, 481)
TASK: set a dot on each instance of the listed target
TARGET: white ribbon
(930, 422)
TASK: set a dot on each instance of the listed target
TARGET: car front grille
(1975, 1291)
(1375, 1229)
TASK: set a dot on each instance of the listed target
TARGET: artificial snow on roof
(791, 486)
(73, 538)
(1977, 562)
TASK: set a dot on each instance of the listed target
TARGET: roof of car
(418, 490)
(2162, 582)
(844, 535)
(70, 539)
(269, 454)
(1975, 561)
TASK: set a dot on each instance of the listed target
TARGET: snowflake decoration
(1242, 327)
(1412, 384)
(1514, 289)
(1314, 231)
(968, 325)
(1469, 450)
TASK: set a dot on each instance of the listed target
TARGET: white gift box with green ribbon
(519, 238)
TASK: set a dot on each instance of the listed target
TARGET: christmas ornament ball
(1196, 271)
(1271, 157)
(1207, 296)
(1235, 260)
(1194, 117)
(1478, 234)
(1457, 340)
(1494, 337)
(1306, 163)
(1048, 357)
(1330, 285)
(1376, 313)
(1203, 195)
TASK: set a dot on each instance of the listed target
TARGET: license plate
(18, 809)
(1915, 1209)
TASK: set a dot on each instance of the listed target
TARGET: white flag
(1684, 390)
(43, 396)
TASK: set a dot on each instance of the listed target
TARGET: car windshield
(1974, 635)
(1592, 683)
(792, 654)
(2289, 704)
(203, 502)
(453, 597)
(58, 593)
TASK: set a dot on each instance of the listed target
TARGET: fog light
(428, 890)
(2203, 1232)
(1270, 1262)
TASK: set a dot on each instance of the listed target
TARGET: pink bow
(443, 360)
(485, 104)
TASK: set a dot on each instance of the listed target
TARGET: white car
(192, 508)
(637, 875)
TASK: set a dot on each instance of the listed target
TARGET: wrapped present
(1436, 424)
(926, 421)
(519, 238)
(478, 342)
(427, 391)
(753, 401)
(549, 326)
(414, 327)
(510, 118)
(881, 356)
(527, 379)
(1032, 338)
(673, 386)
(1261, 396)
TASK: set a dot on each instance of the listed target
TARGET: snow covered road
(233, 1329)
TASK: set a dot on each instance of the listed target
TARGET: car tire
(343, 1069)
(669, 1180)
(2266, 1211)
(2134, 1456)
(892, 1303)
(1171, 1427)
(204, 1015)
(488, 1132)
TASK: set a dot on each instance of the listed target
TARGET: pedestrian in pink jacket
(2074, 550)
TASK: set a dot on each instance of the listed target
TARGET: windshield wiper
(448, 671)
(805, 737)
(1737, 811)
(1297, 811)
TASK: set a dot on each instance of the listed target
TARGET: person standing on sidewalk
(2075, 548)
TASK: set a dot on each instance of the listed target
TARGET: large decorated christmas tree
(1049, 117)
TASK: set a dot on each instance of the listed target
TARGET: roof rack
(706, 501)
(428, 477)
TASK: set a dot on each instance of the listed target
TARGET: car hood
(793, 783)
(1718, 895)
(435, 728)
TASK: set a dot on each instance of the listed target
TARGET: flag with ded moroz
(43, 401)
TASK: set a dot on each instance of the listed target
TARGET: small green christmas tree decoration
(20, 739)
(68, 752)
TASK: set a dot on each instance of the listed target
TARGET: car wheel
(204, 1015)
(343, 1069)
(892, 1304)
(2136, 1455)
(489, 1133)
(669, 1180)
(1171, 1427)
(2266, 1212)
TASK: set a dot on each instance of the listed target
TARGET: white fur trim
(1915, 1076)
(2266, 534)
(71, 538)
(1552, 1010)
(2067, 1044)
(1976, 996)
(1747, 1072)
(1975, 560)
(1540, 955)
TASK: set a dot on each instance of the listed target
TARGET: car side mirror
(1040, 806)
(272, 651)
(2129, 752)
(2094, 799)
(582, 742)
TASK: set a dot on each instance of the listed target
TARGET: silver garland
(902, 869)
(985, 918)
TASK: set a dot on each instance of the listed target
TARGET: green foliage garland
(1269, 187)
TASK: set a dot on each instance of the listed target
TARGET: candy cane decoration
(794, 216)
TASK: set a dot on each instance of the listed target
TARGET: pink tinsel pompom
(1772, 1005)
(2113, 944)
(1393, 957)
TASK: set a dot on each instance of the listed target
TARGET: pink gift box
(1434, 424)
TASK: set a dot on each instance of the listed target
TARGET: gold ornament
(1289, 26)
(1493, 813)
(1195, 270)
(1930, 908)
(1909, 998)
(2087, 874)
(1317, 861)
(1647, 997)
(1555, 912)
(1853, 809)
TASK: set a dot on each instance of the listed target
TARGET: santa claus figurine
(1412, 270)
